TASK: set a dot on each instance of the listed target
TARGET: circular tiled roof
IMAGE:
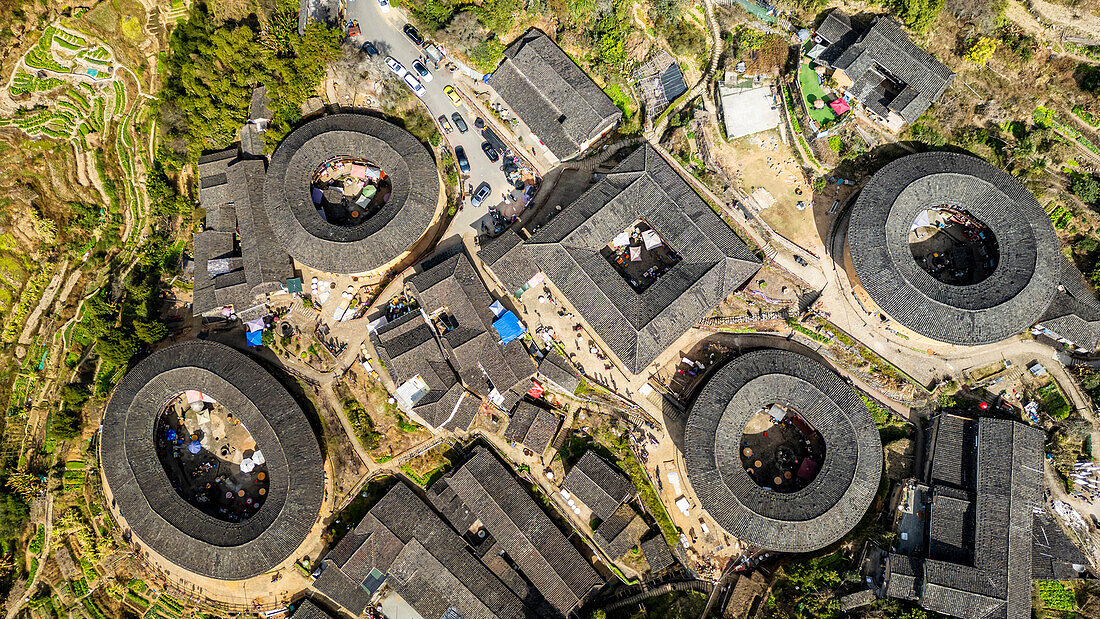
(389, 232)
(142, 491)
(1009, 301)
(806, 519)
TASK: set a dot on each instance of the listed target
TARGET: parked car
(490, 152)
(459, 122)
(443, 122)
(463, 162)
(385, 5)
(800, 260)
(396, 67)
(370, 49)
(480, 194)
(421, 70)
(452, 95)
(413, 34)
(415, 85)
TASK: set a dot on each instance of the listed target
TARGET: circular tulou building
(350, 193)
(781, 452)
(953, 249)
(210, 463)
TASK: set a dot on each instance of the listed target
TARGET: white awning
(651, 239)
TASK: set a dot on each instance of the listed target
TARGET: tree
(66, 423)
(919, 15)
(74, 395)
(150, 331)
(464, 31)
(486, 53)
(980, 50)
(117, 347)
(212, 67)
(499, 15)
(1088, 245)
(927, 134)
(1088, 78)
(1085, 187)
(13, 515)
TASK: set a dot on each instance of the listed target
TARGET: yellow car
(452, 95)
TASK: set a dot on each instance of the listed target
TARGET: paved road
(384, 30)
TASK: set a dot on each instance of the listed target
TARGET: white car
(396, 67)
(421, 70)
(415, 84)
(385, 5)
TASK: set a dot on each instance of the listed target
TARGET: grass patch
(1056, 596)
(428, 467)
(1053, 402)
(812, 91)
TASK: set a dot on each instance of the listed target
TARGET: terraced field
(71, 86)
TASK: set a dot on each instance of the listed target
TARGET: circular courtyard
(781, 452)
(209, 462)
(953, 249)
(212, 461)
(350, 193)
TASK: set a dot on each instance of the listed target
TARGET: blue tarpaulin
(509, 327)
(254, 338)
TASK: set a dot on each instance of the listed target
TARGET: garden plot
(62, 87)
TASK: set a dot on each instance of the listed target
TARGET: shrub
(918, 15)
(980, 50)
(1085, 187)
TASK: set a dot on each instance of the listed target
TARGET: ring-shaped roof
(385, 235)
(806, 519)
(143, 493)
(1009, 301)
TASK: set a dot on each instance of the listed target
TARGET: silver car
(415, 84)
(398, 70)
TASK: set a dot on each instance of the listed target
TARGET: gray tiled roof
(425, 561)
(158, 516)
(407, 347)
(452, 284)
(952, 454)
(341, 590)
(388, 233)
(1009, 301)
(885, 47)
(639, 326)
(558, 370)
(482, 489)
(508, 261)
(622, 531)
(657, 553)
(836, 26)
(552, 95)
(992, 575)
(308, 610)
(532, 426)
(230, 191)
(901, 576)
(597, 485)
(1074, 313)
(1053, 554)
(799, 521)
(951, 526)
